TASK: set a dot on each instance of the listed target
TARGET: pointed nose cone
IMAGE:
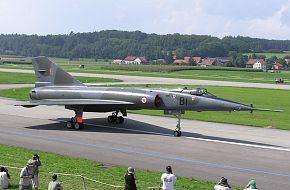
(217, 104)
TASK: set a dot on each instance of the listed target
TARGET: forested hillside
(118, 44)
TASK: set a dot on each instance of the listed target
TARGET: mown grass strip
(169, 71)
(24, 78)
(17, 157)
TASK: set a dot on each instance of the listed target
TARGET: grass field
(17, 157)
(219, 75)
(262, 98)
(23, 78)
(269, 55)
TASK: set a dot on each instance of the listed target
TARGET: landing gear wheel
(77, 126)
(111, 119)
(119, 120)
(177, 133)
(69, 124)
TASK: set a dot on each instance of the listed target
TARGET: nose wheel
(177, 131)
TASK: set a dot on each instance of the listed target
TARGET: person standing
(54, 185)
(168, 179)
(26, 176)
(36, 163)
(130, 179)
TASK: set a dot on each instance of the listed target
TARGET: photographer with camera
(36, 163)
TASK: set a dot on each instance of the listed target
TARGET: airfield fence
(85, 179)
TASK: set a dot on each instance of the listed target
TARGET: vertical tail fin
(49, 74)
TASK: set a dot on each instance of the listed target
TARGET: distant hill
(110, 44)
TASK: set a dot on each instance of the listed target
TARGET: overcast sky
(255, 18)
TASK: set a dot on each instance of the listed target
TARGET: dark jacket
(130, 182)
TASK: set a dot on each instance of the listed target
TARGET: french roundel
(144, 100)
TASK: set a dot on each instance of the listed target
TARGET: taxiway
(206, 150)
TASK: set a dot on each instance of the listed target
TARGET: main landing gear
(177, 132)
(77, 121)
(73, 123)
(114, 118)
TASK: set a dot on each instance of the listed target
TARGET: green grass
(17, 157)
(269, 55)
(261, 98)
(24, 78)
(220, 75)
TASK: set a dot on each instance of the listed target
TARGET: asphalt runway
(205, 151)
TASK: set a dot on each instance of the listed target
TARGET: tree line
(110, 44)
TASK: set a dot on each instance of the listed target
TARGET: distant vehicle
(56, 87)
(279, 80)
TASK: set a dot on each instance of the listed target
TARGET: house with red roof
(277, 66)
(197, 59)
(135, 60)
(256, 64)
(208, 62)
(187, 60)
(181, 61)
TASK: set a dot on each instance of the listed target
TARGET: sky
(268, 19)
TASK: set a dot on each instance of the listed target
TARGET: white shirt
(4, 182)
(250, 189)
(220, 187)
(168, 181)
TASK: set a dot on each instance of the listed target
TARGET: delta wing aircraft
(56, 87)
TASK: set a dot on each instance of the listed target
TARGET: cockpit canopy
(195, 91)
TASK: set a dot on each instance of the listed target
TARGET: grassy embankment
(269, 55)
(102, 67)
(17, 157)
(23, 78)
(263, 98)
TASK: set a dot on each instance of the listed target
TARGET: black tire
(120, 120)
(176, 133)
(111, 119)
(69, 124)
(77, 126)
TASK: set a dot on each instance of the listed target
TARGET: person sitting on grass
(54, 185)
(222, 184)
(251, 185)
(4, 178)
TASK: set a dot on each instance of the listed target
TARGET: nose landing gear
(177, 131)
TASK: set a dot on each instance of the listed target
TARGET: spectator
(168, 179)
(222, 185)
(54, 185)
(130, 179)
(251, 185)
(26, 176)
(36, 163)
(4, 178)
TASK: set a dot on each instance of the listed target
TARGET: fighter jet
(54, 86)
